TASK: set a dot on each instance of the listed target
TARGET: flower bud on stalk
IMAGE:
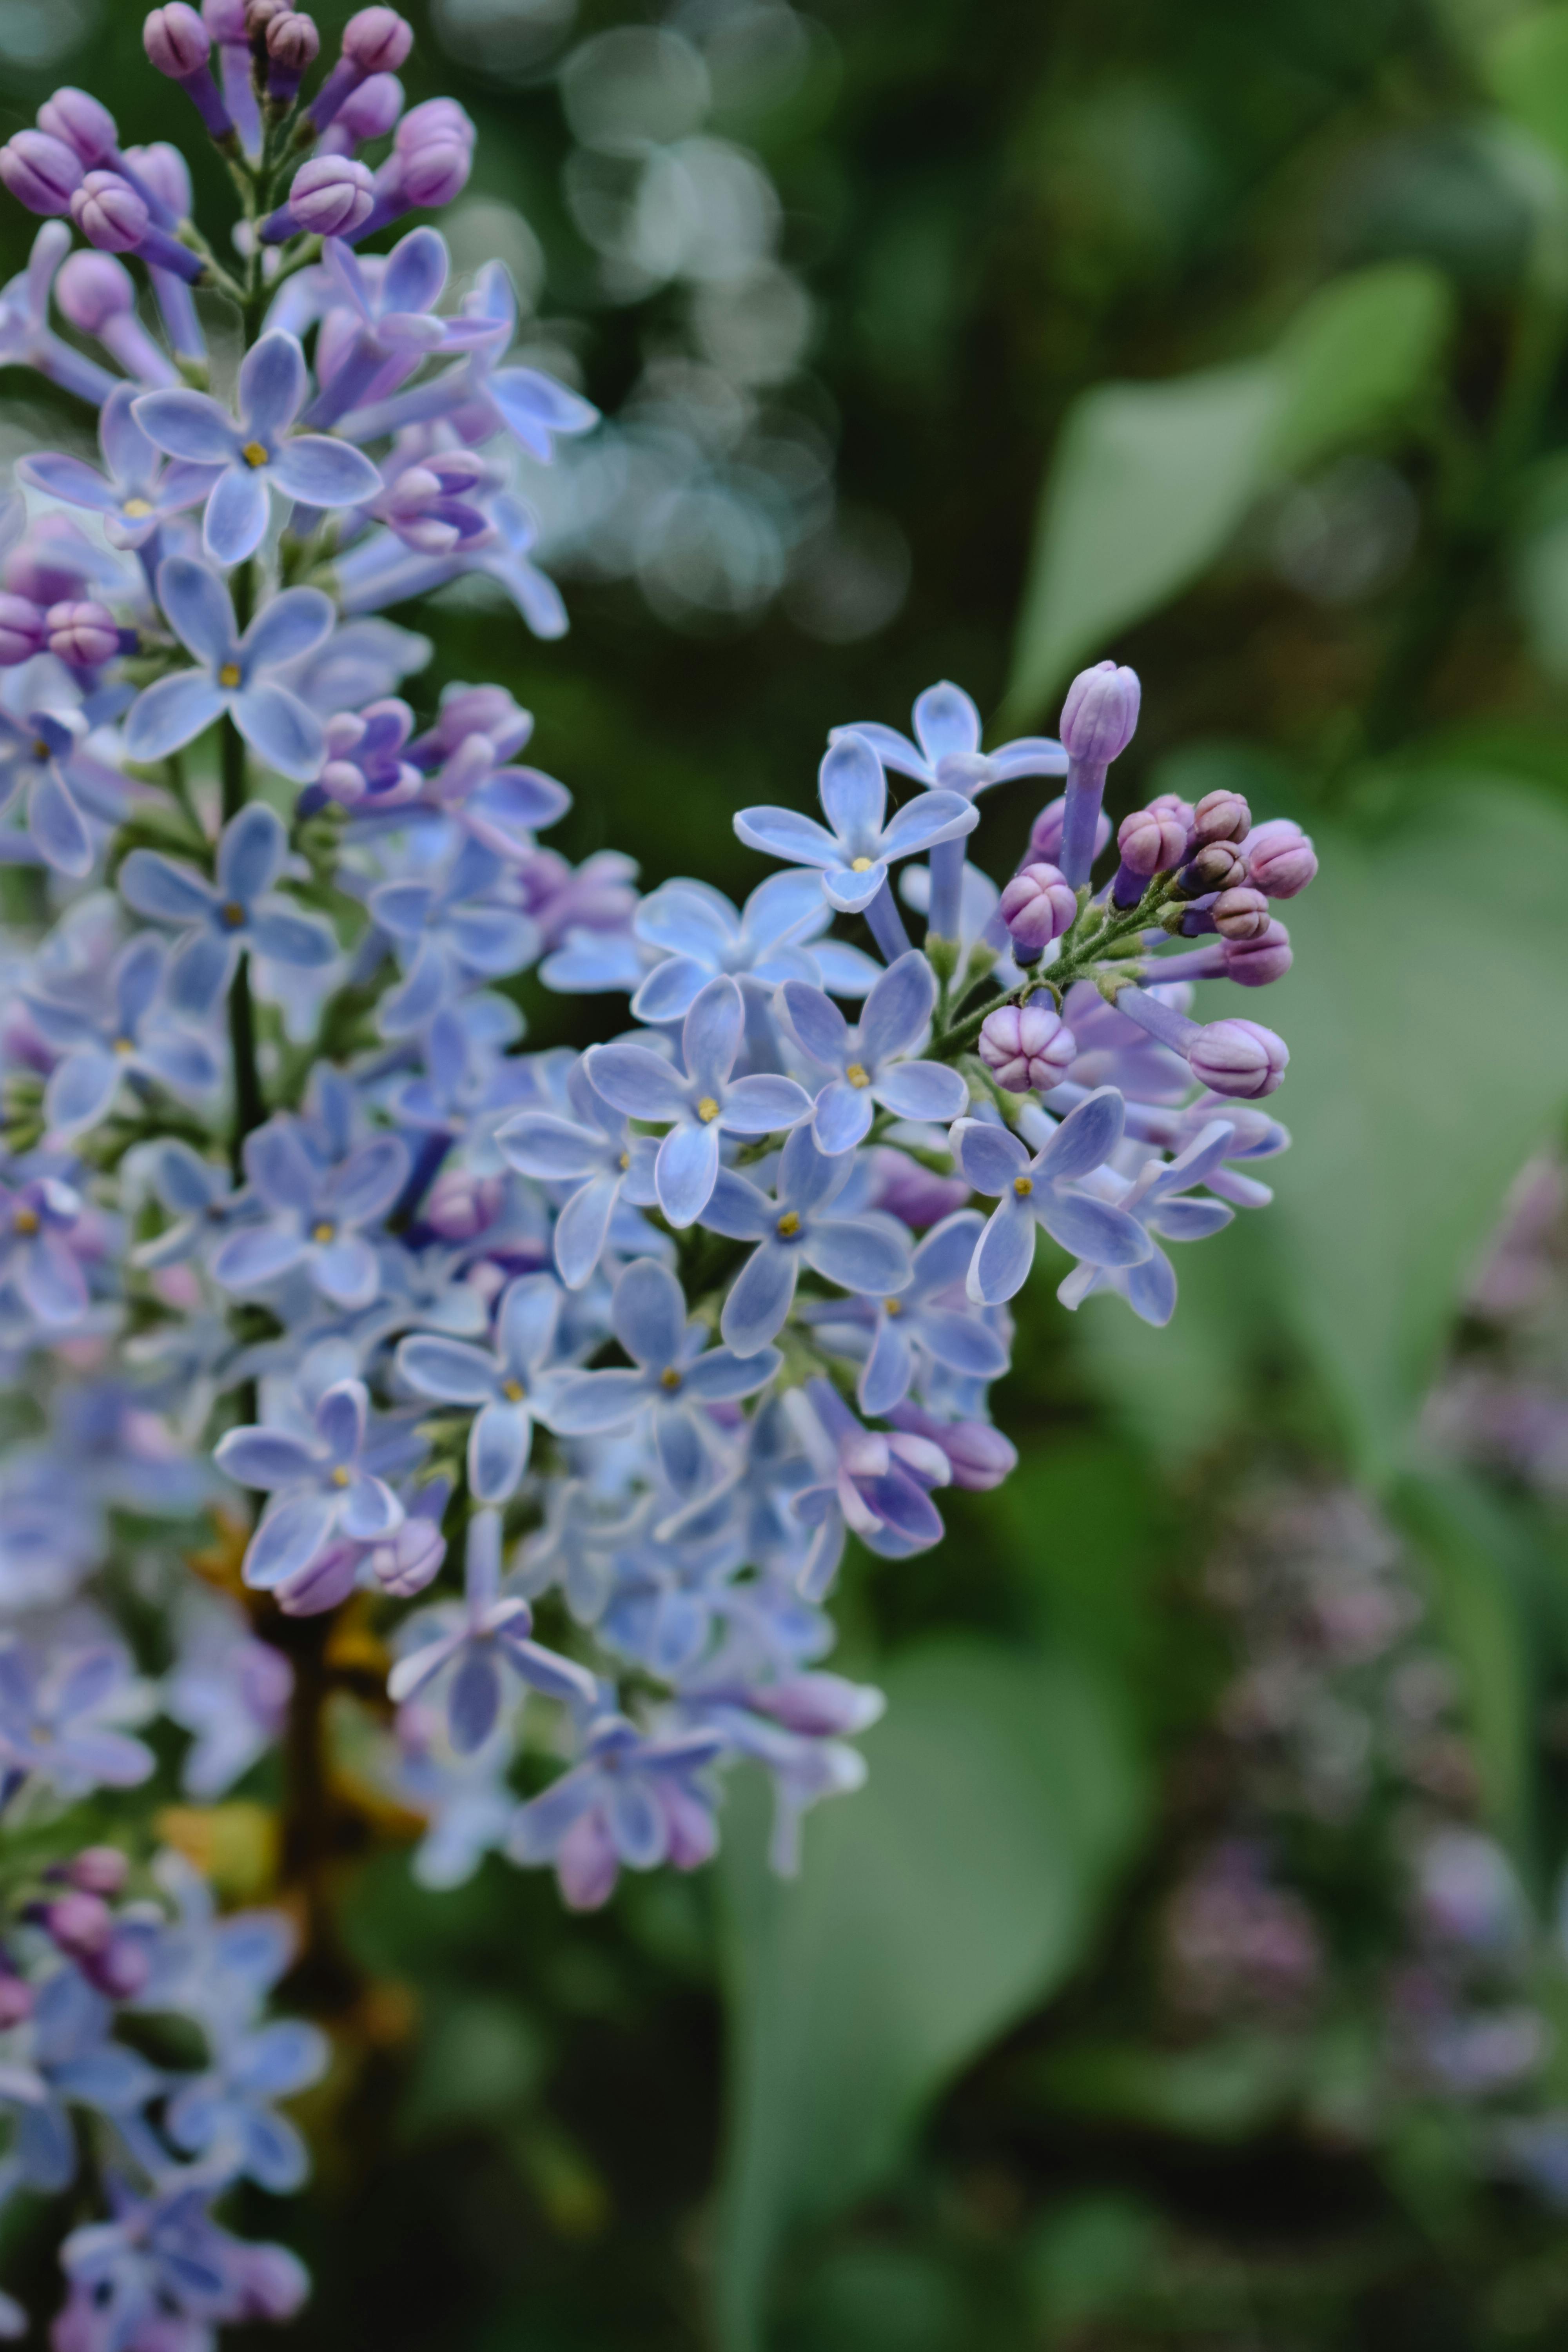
(1152, 840)
(41, 173)
(431, 156)
(1238, 1057)
(179, 45)
(330, 195)
(1255, 962)
(1097, 722)
(294, 44)
(86, 634)
(1027, 1046)
(368, 112)
(225, 21)
(1221, 815)
(1038, 906)
(1218, 866)
(80, 1924)
(99, 1870)
(1241, 914)
(96, 294)
(1280, 859)
(23, 630)
(376, 41)
(113, 217)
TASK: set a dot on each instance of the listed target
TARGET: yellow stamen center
(40, 748)
(857, 1075)
(625, 1160)
(789, 1224)
(136, 509)
(340, 1476)
(512, 1391)
(1023, 1186)
(231, 913)
(123, 1045)
(323, 1232)
(707, 1110)
(860, 865)
(669, 1378)
(26, 1221)
(229, 676)
(893, 1305)
(255, 453)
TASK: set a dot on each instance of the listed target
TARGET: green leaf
(957, 1889)
(1527, 66)
(1353, 359)
(1150, 481)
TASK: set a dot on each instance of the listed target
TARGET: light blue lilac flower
(871, 1060)
(27, 338)
(35, 1263)
(135, 494)
(162, 2271)
(1036, 1191)
(483, 794)
(102, 1047)
(677, 1374)
(511, 1382)
(233, 675)
(202, 1199)
(792, 1229)
(699, 1102)
(330, 1482)
(477, 1647)
(230, 1691)
(449, 933)
(774, 937)
(226, 2111)
(241, 911)
(56, 1717)
(633, 1801)
(313, 1215)
(467, 1801)
(932, 1319)
(47, 771)
(859, 843)
(876, 1484)
(597, 1152)
(260, 454)
(1151, 1198)
(381, 325)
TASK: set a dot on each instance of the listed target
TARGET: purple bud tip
(330, 195)
(23, 630)
(79, 121)
(99, 1870)
(981, 1457)
(1280, 859)
(377, 40)
(1241, 914)
(1027, 1046)
(435, 173)
(370, 111)
(80, 1925)
(1153, 839)
(1238, 1057)
(84, 635)
(1253, 964)
(93, 288)
(461, 1204)
(225, 21)
(109, 213)
(293, 44)
(15, 2000)
(176, 41)
(1038, 906)
(1100, 713)
(40, 172)
(1221, 815)
(439, 121)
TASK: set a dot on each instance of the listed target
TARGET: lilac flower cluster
(600, 1358)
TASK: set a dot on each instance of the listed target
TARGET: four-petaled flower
(258, 454)
(871, 1058)
(930, 1318)
(445, 932)
(773, 937)
(596, 1152)
(1149, 1286)
(233, 674)
(35, 1263)
(946, 754)
(101, 1046)
(330, 1483)
(1035, 1191)
(855, 849)
(136, 494)
(633, 1800)
(316, 1214)
(53, 1710)
(226, 2110)
(239, 911)
(699, 1103)
(509, 1382)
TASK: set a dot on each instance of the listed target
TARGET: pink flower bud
(409, 1559)
(84, 635)
(1218, 866)
(370, 111)
(1045, 832)
(23, 630)
(272, 2281)
(819, 1705)
(981, 1457)
(437, 120)
(478, 710)
(330, 195)
(435, 173)
(99, 1870)
(377, 40)
(15, 2000)
(80, 1925)
(176, 41)
(1152, 840)
(80, 122)
(1280, 859)
(121, 1969)
(93, 288)
(1221, 815)
(460, 1205)
(1238, 1057)
(1255, 962)
(1038, 906)
(294, 44)
(166, 173)
(1241, 914)
(1027, 1046)
(1100, 713)
(109, 213)
(916, 1195)
(41, 173)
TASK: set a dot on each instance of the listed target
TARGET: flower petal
(278, 725)
(169, 714)
(236, 520)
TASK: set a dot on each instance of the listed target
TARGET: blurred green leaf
(1223, 2090)
(1539, 563)
(1527, 66)
(1092, 2257)
(1150, 481)
(479, 2060)
(957, 1889)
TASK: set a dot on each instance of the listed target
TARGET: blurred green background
(1189, 1971)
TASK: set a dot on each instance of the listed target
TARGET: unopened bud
(1241, 914)
(80, 1924)
(93, 288)
(410, 1560)
(225, 21)
(377, 40)
(1220, 817)
(41, 173)
(109, 213)
(819, 1705)
(1253, 964)
(371, 110)
(1100, 713)
(1027, 1046)
(1218, 866)
(460, 1204)
(1038, 906)
(99, 1870)
(332, 196)
(23, 630)
(1238, 1057)
(1152, 840)
(176, 41)
(1280, 859)
(435, 172)
(80, 121)
(84, 635)
(437, 121)
(979, 1456)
